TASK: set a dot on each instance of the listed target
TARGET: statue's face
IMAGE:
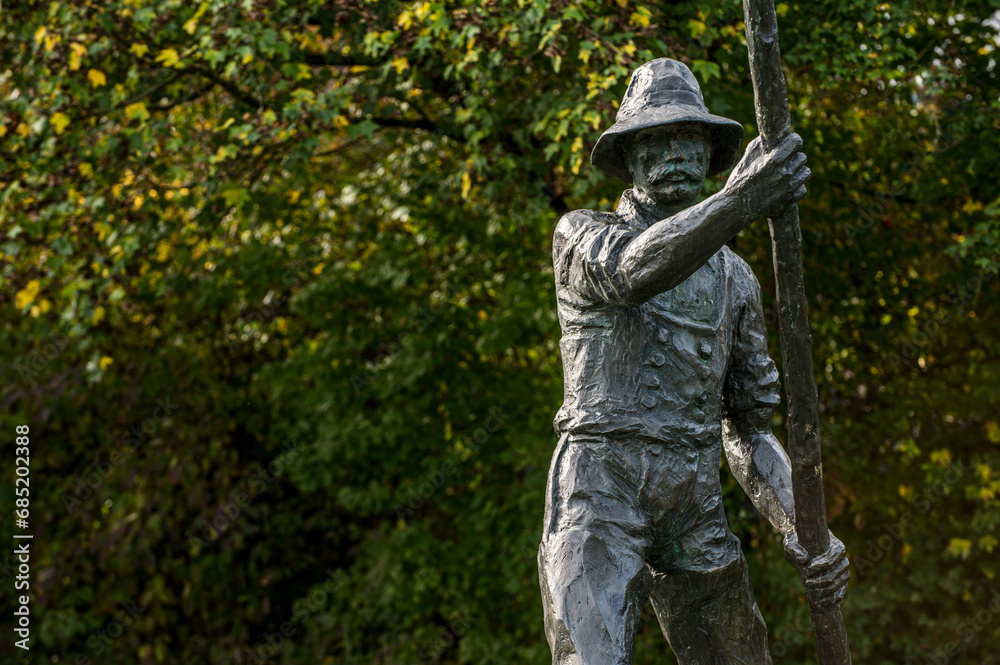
(669, 164)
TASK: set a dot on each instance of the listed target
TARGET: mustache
(673, 174)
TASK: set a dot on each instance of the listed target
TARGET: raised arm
(627, 267)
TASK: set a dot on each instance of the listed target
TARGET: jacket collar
(633, 212)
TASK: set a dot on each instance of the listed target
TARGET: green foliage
(320, 234)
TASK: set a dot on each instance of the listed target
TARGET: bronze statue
(666, 366)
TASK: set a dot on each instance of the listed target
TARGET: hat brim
(726, 138)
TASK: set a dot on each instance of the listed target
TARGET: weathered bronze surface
(666, 367)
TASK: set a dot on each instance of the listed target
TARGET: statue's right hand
(764, 184)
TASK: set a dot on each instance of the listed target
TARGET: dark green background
(327, 225)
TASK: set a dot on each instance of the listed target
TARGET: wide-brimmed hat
(664, 92)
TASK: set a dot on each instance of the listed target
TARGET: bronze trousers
(630, 520)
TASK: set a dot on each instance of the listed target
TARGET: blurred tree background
(278, 308)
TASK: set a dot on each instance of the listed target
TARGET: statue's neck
(657, 210)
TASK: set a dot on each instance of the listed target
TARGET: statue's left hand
(824, 577)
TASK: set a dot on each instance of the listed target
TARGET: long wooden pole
(771, 103)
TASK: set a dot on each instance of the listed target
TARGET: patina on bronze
(666, 367)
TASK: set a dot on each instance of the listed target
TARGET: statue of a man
(666, 366)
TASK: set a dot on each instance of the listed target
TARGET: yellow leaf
(168, 57)
(76, 53)
(191, 25)
(105, 362)
(640, 18)
(781, 9)
(960, 547)
(971, 207)
(59, 122)
(319, 268)
(400, 64)
(40, 34)
(96, 78)
(941, 457)
(577, 144)
(139, 50)
(247, 57)
(993, 431)
(137, 110)
(304, 73)
(466, 184)
(23, 130)
(26, 296)
(85, 169)
(98, 315)
(163, 251)
(137, 202)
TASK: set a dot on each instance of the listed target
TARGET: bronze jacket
(671, 368)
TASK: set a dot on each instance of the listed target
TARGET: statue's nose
(673, 155)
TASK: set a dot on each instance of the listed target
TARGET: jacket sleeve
(752, 380)
(587, 255)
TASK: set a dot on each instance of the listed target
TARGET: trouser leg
(593, 576)
(710, 617)
(593, 590)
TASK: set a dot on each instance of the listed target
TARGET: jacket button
(657, 359)
(702, 398)
(691, 455)
(663, 336)
(653, 382)
(648, 401)
(704, 371)
(705, 349)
